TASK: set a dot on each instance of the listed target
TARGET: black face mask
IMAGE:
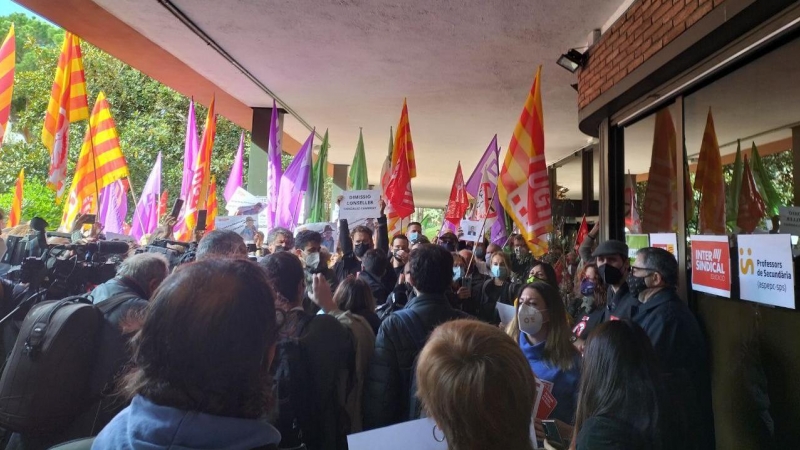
(610, 274)
(280, 248)
(449, 246)
(636, 285)
(361, 249)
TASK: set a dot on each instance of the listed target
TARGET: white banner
(246, 226)
(667, 241)
(360, 205)
(766, 271)
(471, 230)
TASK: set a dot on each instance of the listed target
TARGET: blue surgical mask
(499, 272)
(458, 273)
(413, 236)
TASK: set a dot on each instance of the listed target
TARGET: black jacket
(488, 305)
(390, 395)
(379, 290)
(348, 264)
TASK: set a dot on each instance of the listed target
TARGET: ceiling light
(572, 60)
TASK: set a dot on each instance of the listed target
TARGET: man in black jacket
(373, 269)
(354, 245)
(390, 392)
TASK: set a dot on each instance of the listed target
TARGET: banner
(246, 226)
(635, 243)
(360, 205)
(766, 272)
(471, 230)
(328, 230)
(667, 241)
(711, 265)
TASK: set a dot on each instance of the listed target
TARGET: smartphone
(551, 432)
(201, 220)
(176, 208)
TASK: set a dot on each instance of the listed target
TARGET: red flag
(751, 206)
(162, 203)
(583, 231)
(398, 191)
(459, 202)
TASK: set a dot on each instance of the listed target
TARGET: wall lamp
(572, 60)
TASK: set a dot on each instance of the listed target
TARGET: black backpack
(47, 379)
(296, 402)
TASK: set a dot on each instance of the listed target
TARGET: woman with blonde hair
(541, 328)
(474, 382)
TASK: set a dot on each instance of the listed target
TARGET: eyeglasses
(644, 269)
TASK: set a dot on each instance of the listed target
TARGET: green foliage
(150, 117)
(37, 200)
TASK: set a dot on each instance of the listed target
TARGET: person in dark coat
(390, 391)
(374, 265)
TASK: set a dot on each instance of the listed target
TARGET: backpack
(46, 380)
(296, 403)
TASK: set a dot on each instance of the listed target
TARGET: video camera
(169, 249)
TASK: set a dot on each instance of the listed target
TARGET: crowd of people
(290, 346)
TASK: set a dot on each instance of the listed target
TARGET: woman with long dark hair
(621, 404)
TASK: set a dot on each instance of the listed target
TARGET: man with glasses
(676, 337)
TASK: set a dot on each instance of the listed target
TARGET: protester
(521, 259)
(449, 241)
(467, 284)
(373, 269)
(221, 243)
(420, 241)
(542, 271)
(355, 245)
(351, 296)
(613, 267)
(279, 239)
(479, 261)
(313, 360)
(399, 253)
(474, 382)
(588, 305)
(308, 247)
(499, 289)
(414, 232)
(622, 403)
(402, 293)
(389, 394)
(202, 362)
(540, 327)
(679, 344)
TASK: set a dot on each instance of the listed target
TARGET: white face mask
(530, 319)
(312, 261)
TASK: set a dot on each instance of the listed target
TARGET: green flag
(316, 189)
(357, 179)
(764, 184)
(732, 199)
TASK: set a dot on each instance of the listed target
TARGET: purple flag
(113, 207)
(293, 186)
(273, 168)
(145, 218)
(235, 178)
(189, 151)
(474, 181)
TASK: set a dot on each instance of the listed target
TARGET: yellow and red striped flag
(212, 207)
(100, 163)
(709, 182)
(7, 63)
(16, 204)
(403, 141)
(523, 186)
(201, 177)
(67, 104)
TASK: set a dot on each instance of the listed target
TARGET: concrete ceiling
(464, 66)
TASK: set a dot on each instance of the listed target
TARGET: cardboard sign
(711, 265)
(766, 271)
(635, 243)
(246, 226)
(790, 220)
(471, 230)
(359, 205)
(667, 241)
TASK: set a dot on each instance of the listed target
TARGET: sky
(8, 7)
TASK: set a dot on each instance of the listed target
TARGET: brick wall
(641, 32)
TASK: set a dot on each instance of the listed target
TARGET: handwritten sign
(360, 205)
(790, 220)
(766, 271)
(711, 265)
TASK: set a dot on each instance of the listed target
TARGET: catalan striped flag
(67, 104)
(403, 140)
(16, 203)
(524, 188)
(212, 205)
(201, 177)
(100, 163)
(7, 62)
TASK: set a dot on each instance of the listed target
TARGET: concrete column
(339, 183)
(257, 170)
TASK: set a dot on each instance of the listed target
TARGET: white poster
(246, 226)
(471, 230)
(359, 205)
(667, 241)
(328, 230)
(790, 220)
(240, 198)
(766, 271)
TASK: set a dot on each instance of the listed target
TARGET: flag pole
(483, 227)
(136, 203)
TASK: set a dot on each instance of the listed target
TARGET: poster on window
(635, 243)
(711, 265)
(667, 241)
(766, 270)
